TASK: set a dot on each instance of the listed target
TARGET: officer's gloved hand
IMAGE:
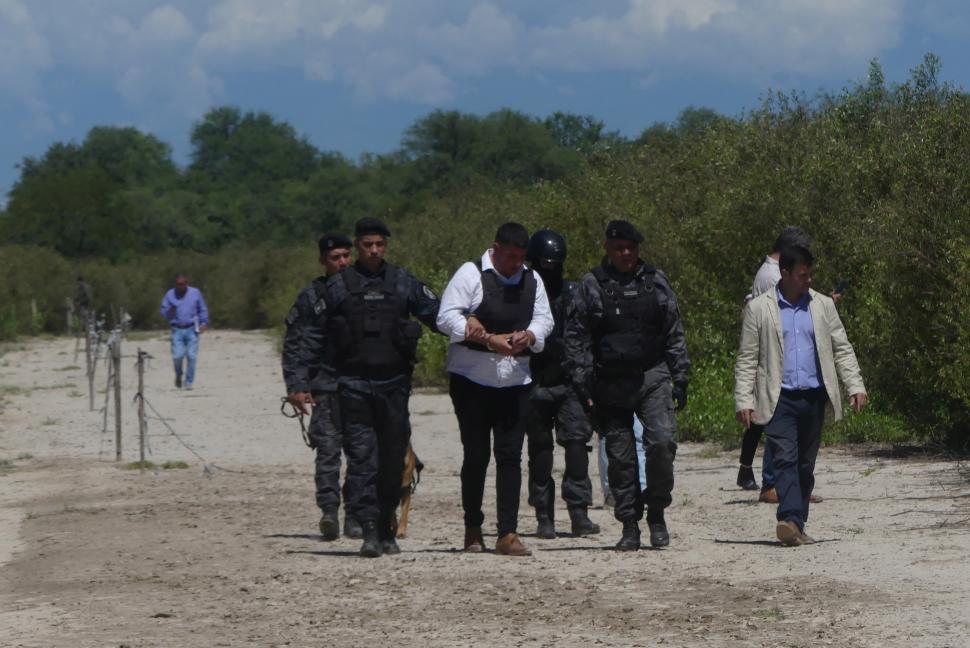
(584, 397)
(680, 395)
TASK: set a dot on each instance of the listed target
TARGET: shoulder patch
(319, 306)
(428, 292)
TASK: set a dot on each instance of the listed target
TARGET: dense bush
(876, 173)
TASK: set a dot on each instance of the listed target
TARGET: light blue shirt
(189, 308)
(801, 368)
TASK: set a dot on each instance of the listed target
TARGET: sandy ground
(93, 555)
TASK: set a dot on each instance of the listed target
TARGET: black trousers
(484, 412)
(327, 437)
(794, 434)
(557, 407)
(377, 430)
(650, 399)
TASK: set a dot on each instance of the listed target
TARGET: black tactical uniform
(554, 404)
(373, 344)
(305, 369)
(624, 347)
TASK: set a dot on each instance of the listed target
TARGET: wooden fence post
(116, 360)
(141, 408)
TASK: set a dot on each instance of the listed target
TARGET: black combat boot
(581, 523)
(330, 525)
(352, 527)
(387, 531)
(658, 528)
(546, 527)
(372, 541)
(630, 540)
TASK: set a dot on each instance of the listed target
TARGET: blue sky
(353, 74)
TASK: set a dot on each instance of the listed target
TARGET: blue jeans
(641, 459)
(185, 342)
(794, 434)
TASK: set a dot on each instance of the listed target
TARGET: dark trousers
(327, 438)
(557, 407)
(484, 412)
(749, 446)
(649, 398)
(377, 430)
(794, 434)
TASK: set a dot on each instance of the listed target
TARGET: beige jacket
(758, 371)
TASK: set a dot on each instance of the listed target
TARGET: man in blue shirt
(184, 308)
(794, 353)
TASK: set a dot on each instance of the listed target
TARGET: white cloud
(753, 37)
(247, 28)
(424, 83)
(169, 57)
(25, 54)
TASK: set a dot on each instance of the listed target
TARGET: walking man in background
(626, 354)
(495, 311)
(185, 310)
(555, 406)
(766, 279)
(370, 305)
(311, 385)
(794, 350)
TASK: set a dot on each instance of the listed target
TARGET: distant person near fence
(184, 308)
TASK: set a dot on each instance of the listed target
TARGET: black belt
(811, 392)
(182, 326)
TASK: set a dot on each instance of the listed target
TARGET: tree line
(875, 172)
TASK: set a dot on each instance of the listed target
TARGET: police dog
(409, 482)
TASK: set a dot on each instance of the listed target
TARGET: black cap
(332, 241)
(370, 225)
(621, 229)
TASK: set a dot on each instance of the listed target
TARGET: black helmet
(546, 245)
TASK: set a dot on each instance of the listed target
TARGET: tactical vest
(546, 367)
(505, 307)
(367, 328)
(318, 377)
(629, 337)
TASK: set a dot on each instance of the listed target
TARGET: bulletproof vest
(366, 328)
(318, 288)
(629, 337)
(546, 367)
(505, 307)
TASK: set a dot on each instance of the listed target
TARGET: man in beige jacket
(794, 350)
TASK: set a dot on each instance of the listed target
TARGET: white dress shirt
(462, 296)
(768, 275)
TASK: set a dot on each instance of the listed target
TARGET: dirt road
(93, 555)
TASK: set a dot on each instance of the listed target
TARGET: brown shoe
(814, 499)
(806, 539)
(769, 496)
(789, 534)
(474, 543)
(510, 545)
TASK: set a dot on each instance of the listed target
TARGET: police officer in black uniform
(626, 355)
(311, 383)
(374, 345)
(554, 404)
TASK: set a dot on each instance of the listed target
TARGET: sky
(352, 75)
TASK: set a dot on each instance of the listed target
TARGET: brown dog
(409, 482)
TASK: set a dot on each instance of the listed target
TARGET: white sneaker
(188, 387)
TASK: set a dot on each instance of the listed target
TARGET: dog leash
(296, 414)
